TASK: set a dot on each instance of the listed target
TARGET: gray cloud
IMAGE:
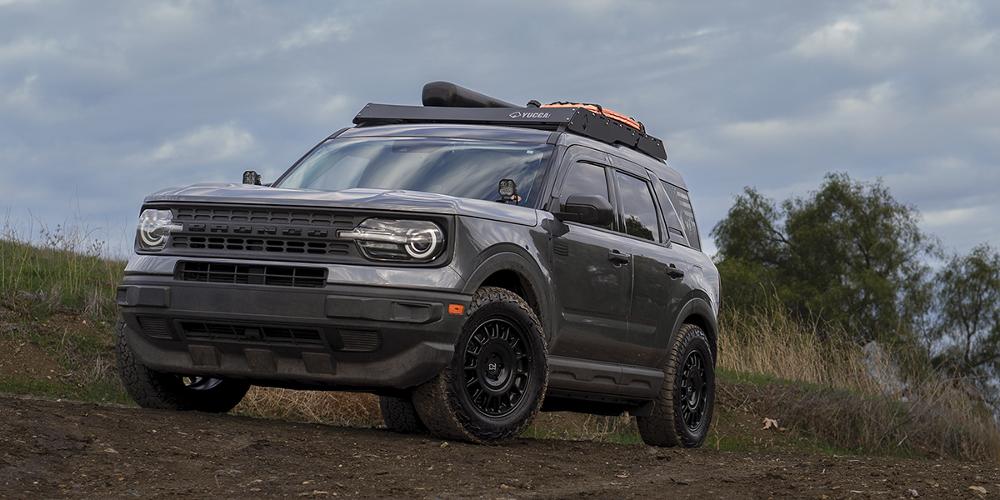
(103, 103)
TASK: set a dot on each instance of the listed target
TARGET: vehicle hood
(360, 199)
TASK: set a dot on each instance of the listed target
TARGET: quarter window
(680, 199)
(675, 228)
(638, 209)
(586, 179)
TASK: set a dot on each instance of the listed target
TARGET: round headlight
(422, 243)
(390, 239)
(154, 227)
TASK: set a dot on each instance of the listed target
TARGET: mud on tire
(496, 381)
(682, 413)
(400, 416)
(152, 389)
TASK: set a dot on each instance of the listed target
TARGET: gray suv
(470, 261)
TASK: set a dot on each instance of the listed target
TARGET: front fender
(509, 257)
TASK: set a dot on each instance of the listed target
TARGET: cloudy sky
(104, 102)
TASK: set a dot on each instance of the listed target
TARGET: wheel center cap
(493, 367)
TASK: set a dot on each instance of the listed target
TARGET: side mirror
(251, 177)
(587, 209)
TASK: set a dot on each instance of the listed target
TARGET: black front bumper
(335, 337)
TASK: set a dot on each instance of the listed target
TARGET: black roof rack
(576, 120)
(492, 111)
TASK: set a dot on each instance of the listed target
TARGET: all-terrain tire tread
(151, 389)
(439, 408)
(662, 427)
(400, 416)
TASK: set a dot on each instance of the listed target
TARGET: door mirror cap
(592, 210)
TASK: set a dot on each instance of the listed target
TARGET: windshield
(456, 167)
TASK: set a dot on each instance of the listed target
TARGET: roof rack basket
(578, 120)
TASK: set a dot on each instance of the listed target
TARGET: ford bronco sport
(469, 260)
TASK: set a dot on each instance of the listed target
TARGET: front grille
(261, 232)
(259, 245)
(248, 274)
(251, 333)
(265, 232)
(265, 215)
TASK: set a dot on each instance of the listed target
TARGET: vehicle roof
(664, 171)
(516, 134)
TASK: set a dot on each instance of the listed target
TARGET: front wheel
(682, 412)
(497, 378)
(165, 391)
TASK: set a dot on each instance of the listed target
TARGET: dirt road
(50, 449)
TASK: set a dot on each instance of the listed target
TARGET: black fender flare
(510, 257)
(700, 306)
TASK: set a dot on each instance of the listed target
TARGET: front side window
(638, 209)
(586, 179)
(455, 167)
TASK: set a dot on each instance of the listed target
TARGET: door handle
(619, 258)
(673, 272)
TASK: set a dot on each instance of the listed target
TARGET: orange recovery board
(598, 109)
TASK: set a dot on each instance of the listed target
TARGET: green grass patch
(96, 392)
(44, 280)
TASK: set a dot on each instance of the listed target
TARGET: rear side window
(682, 202)
(638, 209)
(586, 179)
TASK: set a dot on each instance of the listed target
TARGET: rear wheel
(399, 415)
(496, 381)
(683, 411)
(165, 391)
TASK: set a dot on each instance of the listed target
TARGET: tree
(847, 254)
(968, 292)
(752, 250)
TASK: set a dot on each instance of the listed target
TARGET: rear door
(657, 267)
(592, 285)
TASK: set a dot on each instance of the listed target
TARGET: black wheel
(496, 381)
(165, 391)
(399, 415)
(682, 413)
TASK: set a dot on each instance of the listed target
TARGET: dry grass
(337, 408)
(823, 387)
(770, 342)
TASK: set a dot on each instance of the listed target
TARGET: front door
(593, 283)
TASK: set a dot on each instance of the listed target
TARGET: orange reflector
(456, 309)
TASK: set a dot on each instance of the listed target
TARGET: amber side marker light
(456, 309)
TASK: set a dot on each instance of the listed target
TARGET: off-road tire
(400, 416)
(165, 391)
(443, 404)
(665, 426)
